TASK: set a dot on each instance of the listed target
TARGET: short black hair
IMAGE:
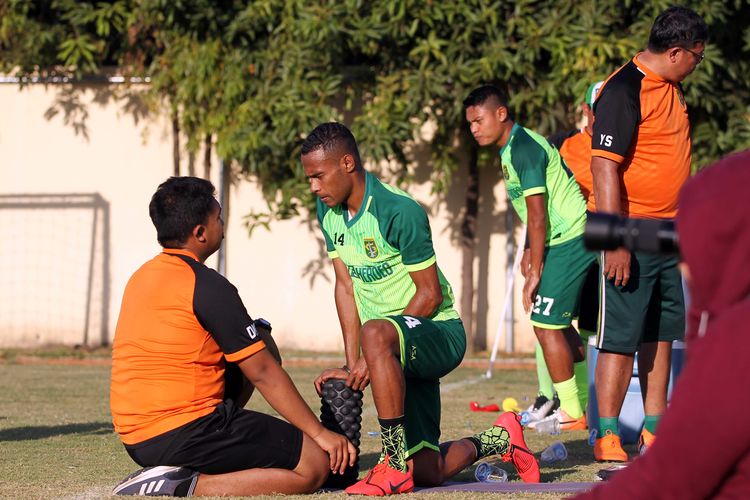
(677, 27)
(481, 95)
(330, 136)
(178, 205)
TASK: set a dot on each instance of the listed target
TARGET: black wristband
(346, 369)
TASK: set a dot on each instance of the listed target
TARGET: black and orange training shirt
(642, 124)
(178, 322)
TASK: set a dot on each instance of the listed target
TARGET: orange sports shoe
(383, 480)
(645, 441)
(608, 448)
(518, 453)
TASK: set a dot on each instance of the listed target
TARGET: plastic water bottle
(592, 436)
(488, 473)
(554, 453)
(551, 426)
(525, 418)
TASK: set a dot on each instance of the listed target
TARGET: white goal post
(54, 262)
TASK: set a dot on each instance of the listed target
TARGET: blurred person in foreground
(703, 450)
(180, 324)
(641, 156)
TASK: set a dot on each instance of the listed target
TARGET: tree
(256, 76)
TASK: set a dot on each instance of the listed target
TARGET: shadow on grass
(42, 431)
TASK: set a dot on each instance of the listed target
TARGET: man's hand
(359, 376)
(529, 289)
(526, 262)
(328, 374)
(340, 451)
(617, 266)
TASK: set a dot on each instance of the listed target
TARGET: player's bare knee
(313, 465)
(377, 337)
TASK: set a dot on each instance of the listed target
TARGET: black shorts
(588, 310)
(228, 440)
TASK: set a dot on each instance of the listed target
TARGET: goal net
(54, 262)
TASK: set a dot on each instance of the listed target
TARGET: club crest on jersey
(505, 172)
(371, 248)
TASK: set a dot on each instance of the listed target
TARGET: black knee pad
(341, 412)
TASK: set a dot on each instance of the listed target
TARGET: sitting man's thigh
(228, 440)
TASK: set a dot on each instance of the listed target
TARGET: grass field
(57, 441)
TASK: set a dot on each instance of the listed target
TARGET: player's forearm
(424, 302)
(279, 390)
(346, 307)
(536, 232)
(606, 185)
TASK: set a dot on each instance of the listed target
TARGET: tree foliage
(253, 77)
(258, 75)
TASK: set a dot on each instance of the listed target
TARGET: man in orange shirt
(640, 159)
(179, 324)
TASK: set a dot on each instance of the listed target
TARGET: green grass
(56, 436)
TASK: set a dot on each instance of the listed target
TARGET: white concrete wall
(56, 140)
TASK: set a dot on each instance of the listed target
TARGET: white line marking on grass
(461, 383)
(92, 494)
(444, 388)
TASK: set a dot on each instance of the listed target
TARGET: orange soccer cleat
(383, 480)
(518, 453)
(645, 441)
(608, 448)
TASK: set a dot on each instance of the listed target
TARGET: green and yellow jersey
(388, 238)
(532, 166)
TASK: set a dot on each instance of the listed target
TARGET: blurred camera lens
(609, 231)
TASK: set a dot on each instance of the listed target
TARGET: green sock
(393, 436)
(493, 441)
(542, 374)
(581, 371)
(568, 393)
(650, 423)
(608, 424)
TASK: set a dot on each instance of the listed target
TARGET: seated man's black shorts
(227, 440)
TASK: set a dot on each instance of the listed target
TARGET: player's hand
(327, 374)
(526, 262)
(617, 266)
(340, 451)
(529, 289)
(359, 376)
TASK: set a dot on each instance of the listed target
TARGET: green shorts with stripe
(650, 308)
(429, 350)
(559, 292)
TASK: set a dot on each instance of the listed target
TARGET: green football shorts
(559, 293)
(429, 350)
(650, 308)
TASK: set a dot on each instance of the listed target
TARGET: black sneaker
(541, 408)
(606, 474)
(555, 404)
(161, 481)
